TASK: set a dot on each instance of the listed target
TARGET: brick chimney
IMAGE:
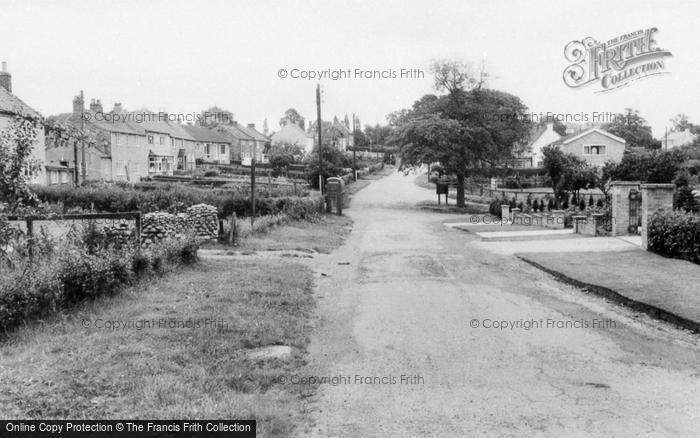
(251, 125)
(117, 108)
(5, 78)
(78, 106)
(95, 106)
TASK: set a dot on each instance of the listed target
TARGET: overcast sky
(184, 56)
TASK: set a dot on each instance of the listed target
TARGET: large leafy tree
(634, 129)
(469, 129)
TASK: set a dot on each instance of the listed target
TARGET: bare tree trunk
(460, 190)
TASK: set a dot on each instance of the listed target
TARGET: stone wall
(200, 220)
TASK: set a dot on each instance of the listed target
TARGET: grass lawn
(641, 276)
(73, 366)
(69, 367)
(323, 236)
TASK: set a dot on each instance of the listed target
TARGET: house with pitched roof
(594, 145)
(675, 139)
(261, 142)
(246, 142)
(336, 133)
(184, 147)
(12, 106)
(541, 136)
(116, 143)
(214, 147)
(291, 133)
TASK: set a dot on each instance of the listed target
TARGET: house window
(151, 164)
(150, 139)
(207, 150)
(118, 139)
(594, 150)
(64, 177)
(162, 140)
(223, 149)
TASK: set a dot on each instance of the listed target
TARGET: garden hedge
(675, 234)
(173, 198)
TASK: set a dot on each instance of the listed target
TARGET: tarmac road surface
(422, 332)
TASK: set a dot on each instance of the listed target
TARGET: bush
(675, 234)
(591, 203)
(495, 207)
(600, 203)
(542, 205)
(72, 274)
(211, 173)
(165, 197)
(550, 204)
(582, 205)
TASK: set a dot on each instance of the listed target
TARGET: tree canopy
(470, 127)
(634, 129)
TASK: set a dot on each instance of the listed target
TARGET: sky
(185, 56)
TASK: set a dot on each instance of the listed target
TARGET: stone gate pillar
(620, 192)
(655, 197)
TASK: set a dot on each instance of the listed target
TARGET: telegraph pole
(83, 170)
(354, 146)
(252, 185)
(320, 140)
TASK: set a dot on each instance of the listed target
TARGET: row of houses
(125, 146)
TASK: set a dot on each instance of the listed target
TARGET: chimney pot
(5, 78)
(251, 125)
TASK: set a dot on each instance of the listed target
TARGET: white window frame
(597, 145)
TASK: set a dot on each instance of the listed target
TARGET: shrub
(542, 205)
(148, 198)
(591, 203)
(675, 234)
(600, 203)
(73, 274)
(211, 173)
(582, 205)
(550, 205)
(520, 206)
(495, 207)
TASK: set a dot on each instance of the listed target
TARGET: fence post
(232, 232)
(30, 236)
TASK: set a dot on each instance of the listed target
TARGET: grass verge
(663, 288)
(75, 366)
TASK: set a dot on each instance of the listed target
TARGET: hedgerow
(170, 197)
(675, 234)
